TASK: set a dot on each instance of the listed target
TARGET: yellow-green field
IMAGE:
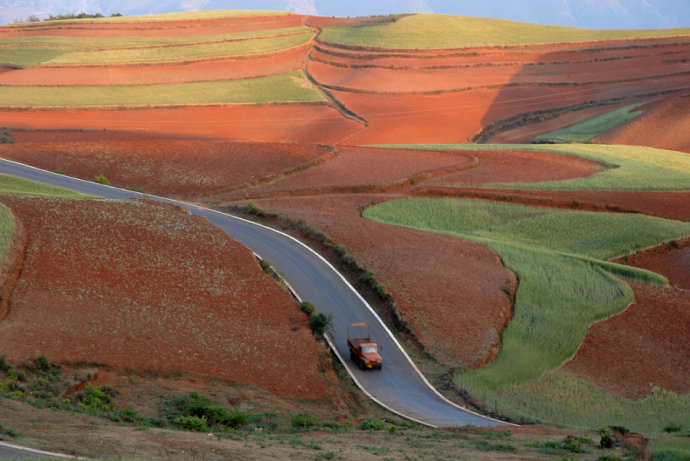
(425, 31)
(289, 87)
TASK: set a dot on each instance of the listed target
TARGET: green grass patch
(288, 87)
(446, 31)
(588, 129)
(560, 398)
(6, 230)
(676, 449)
(18, 186)
(558, 256)
(630, 168)
(182, 52)
(86, 43)
(30, 55)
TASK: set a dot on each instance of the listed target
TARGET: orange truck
(364, 351)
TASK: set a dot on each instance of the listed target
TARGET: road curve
(399, 386)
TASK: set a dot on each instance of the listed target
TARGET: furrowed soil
(170, 168)
(147, 287)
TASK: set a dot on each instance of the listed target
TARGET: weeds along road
(399, 386)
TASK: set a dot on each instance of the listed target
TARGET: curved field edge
(630, 168)
(428, 31)
(559, 295)
(288, 87)
(183, 51)
(588, 129)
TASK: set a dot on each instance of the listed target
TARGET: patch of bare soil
(664, 124)
(646, 345)
(451, 293)
(671, 260)
(147, 287)
(169, 167)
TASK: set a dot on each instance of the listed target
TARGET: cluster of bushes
(82, 15)
(318, 321)
(194, 412)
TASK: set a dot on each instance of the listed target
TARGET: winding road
(399, 386)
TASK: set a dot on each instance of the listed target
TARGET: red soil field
(145, 286)
(361, 168)
(447, 290)
(664, 124)
(647, 344)
(249, 66)
(169, 168)
(308, 123)
(174, 28)
(669, 259)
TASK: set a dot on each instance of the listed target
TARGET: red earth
(148, 287)
(170, 168)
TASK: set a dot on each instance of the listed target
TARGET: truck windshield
(369, 349)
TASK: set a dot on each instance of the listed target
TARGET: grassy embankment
(586, 130)
(565, 285)
(288, 87)
(427, 31)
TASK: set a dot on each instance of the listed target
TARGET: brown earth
(170, 168)
(232, 68)
(146, 287)
(644, 346)
(308, 123)
(664, 124)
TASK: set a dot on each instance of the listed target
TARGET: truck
(364, 351)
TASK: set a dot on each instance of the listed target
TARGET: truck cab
(364, 351)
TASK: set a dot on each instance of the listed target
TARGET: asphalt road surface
(399, 386)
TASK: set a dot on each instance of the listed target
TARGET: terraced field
(343, 127)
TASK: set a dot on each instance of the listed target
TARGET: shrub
(4, 366)
(302, 422)
(607, 439)
(308, 308)
(6, 138)
(42, 363)
(100, 179)
(320, 324)
(672, 427)
(192, 423)
(371, 425)
(340, 250)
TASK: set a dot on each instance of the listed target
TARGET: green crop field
(425, 31)
(30, 55)
(559, 258)
(6, 230)
(289, 87)
(90, 43)
(17, 186)
(185, 52)
(631, 168)
(586, 130)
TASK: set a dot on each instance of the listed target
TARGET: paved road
(398, 386)
(10, 451)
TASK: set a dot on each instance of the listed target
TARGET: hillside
(513, 199)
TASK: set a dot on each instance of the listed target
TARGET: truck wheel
(353, 357)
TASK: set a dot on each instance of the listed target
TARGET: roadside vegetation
(588, 129)
(565, 281)
(426, 31)
(17, 186)
(288, 87)
(6, 230)
(630, 168)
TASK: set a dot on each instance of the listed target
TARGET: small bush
(192, 423)
(4, 366)
(42, 363)
(320, 324)
(672, 427)
(371, 425)
(340, 250)
(252, 208)
(6, 138)
(608, 457)
(302, 422)
(607, 439)
(308, 308)
(100, 179)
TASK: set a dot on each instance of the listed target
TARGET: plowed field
(148, 287)
(169, 168)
